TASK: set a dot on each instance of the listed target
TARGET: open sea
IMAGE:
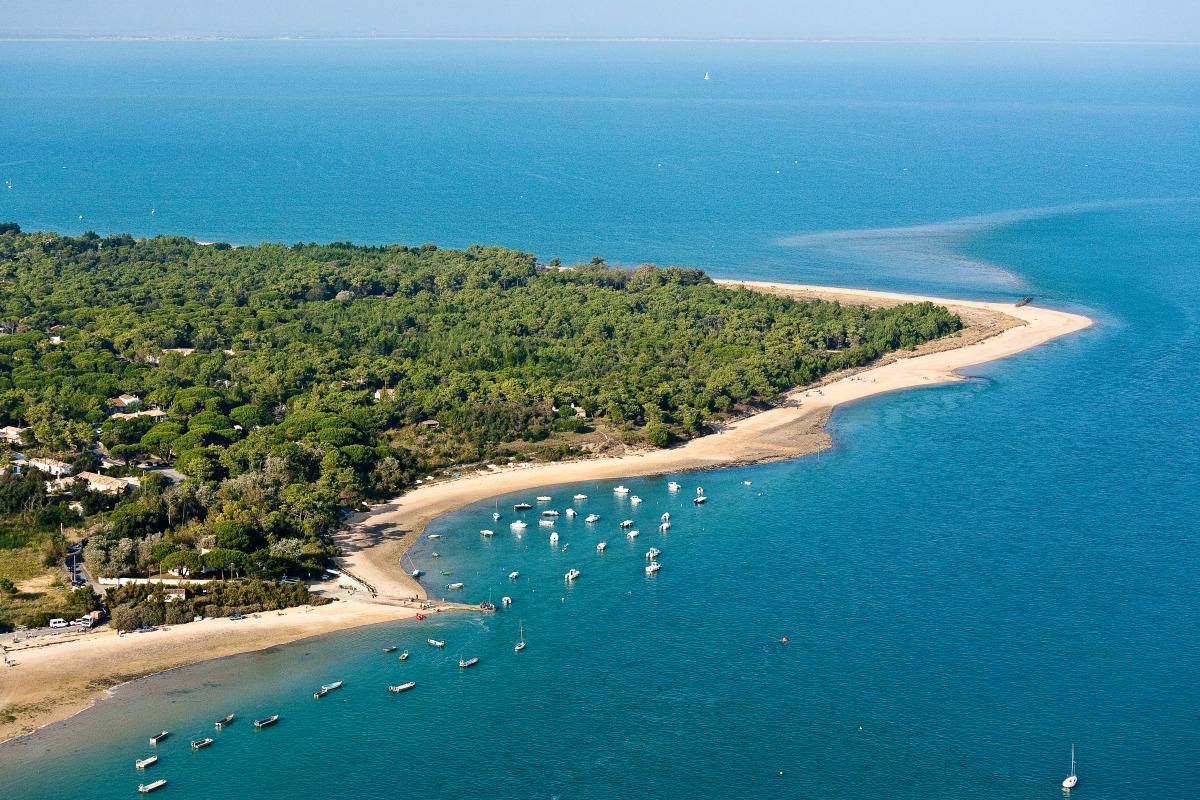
(974, 578)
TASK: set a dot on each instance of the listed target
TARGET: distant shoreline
(57, 681)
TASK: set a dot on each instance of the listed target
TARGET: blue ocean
(975, 577)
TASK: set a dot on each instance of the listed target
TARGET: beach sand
(54, 682)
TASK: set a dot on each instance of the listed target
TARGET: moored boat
(391, 648)
(580, 497)
(600, 547)
(653, 553)
(546, 523)
(592, 518)
(633, 534)
(620, 490)
(200, 744)
(519, 525)
(404, 656)
(626, 523)
(487, 605)
(319, 693)
(699, 499)
(456, 585)
(487, 532)
(522, 506)
(266, 722)
(1069, 782)
(225, 722)
(148, 761)
(673, 487)
(146, 788)
(544, 498)
(158, 737)
(653, 567)
(550, 512)
(404, 687)
(512, 576)
(571, 512)
(666, 517)
(332, 686)
(470, 662)
(664, 527)
(635, 500)
(520, 645)
(506, 601)
(436, 643)
(416, 573)
(571, 575)
(554, 538)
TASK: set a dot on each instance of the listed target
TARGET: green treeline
(273, 414)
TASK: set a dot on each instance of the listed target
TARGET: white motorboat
(601, 546)
(592, 518)
(546, 523)
(653, 567)
(512, 576)
(673, 487)
(699, 499)
(666, 517)
(455, 586)
(506, 601)
(158, 737)
(571, 512)
(435, 536)
(635, 500)
(620, 490)
(146, 788)
(436, 643)
(545, 498)
(626, 523)
(522, 506)
(554, 538)
(519, 525)
(487, 532)
(571, 575)
(550, 512)
(633, 534)
(653, 553)
(580, 497)
(664, 527)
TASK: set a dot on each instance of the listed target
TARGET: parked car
(59, 623)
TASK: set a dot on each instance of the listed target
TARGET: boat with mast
(1069, 782)
(520, 645)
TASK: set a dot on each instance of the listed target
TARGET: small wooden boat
(267, 722)
(404, 656)
(391, 648)
(142, 763)
(404, 687)
(200, 744)
(470, 662)
(146, 788)
(158, 737)
(436, 643)
(221, 723)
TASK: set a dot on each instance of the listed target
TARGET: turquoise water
(975, 577)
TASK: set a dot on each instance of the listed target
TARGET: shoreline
(41, 690)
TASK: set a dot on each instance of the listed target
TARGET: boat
(487, 605)
(142, 763)
(699, 499)
(600, 547)
(435, 536)
(436, 555)
(404, 687)
(633, 534)
(592, 518)
(391, 648)
(1069, 782)
(200, 744)
(653, 553)
(522, 506)
(620, 490)
(546, 523)
(664, 527)
(436, 643)
(519, 525)
(653, 567)
(571, 575)
(317, 695)
(580, 497)
(554, 538)
(158, 737)
(506, 601)
(455, 586)
(495, 515)
(512, 576)
(544, 498)
(487, 532)
(224, 723)
(626, 523)
(706, 76)
(146, 788)
(699, 490)
(635, 500)
(666, 517)
(550, 512)
(404, 656)
(520, 645)
(416, 573)
(673, 487)
(470, 662)
(266, 722)
(747, 483)
(571, 512)
(331, 686)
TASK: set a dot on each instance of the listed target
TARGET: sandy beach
(56, 681)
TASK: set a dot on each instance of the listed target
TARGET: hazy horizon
(1165, 21)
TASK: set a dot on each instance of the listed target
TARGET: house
(11, 434)
(102, 483)
(125, 401)
(380, 394)
(153, 413)
(56, 339)
(173, 593)
(51, 466)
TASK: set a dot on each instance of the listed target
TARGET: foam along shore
(376, 540)
(57, 677)
(53, 682)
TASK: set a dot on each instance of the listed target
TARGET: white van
(58, 623)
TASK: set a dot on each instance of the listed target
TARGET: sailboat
(706, 77)
(1069, 782)
(520, 645)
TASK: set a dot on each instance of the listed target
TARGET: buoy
(783, 640)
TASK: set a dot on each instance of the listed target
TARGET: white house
(51, 466)
(11, 434)
(125, 400)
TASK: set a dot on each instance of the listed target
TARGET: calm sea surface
(974, 578)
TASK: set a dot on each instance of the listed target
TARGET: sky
(1057, 20)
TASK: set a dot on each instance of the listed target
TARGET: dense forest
(288, 384)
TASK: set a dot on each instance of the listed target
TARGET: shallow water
(975, 577)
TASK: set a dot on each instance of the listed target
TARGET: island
(196, 433)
